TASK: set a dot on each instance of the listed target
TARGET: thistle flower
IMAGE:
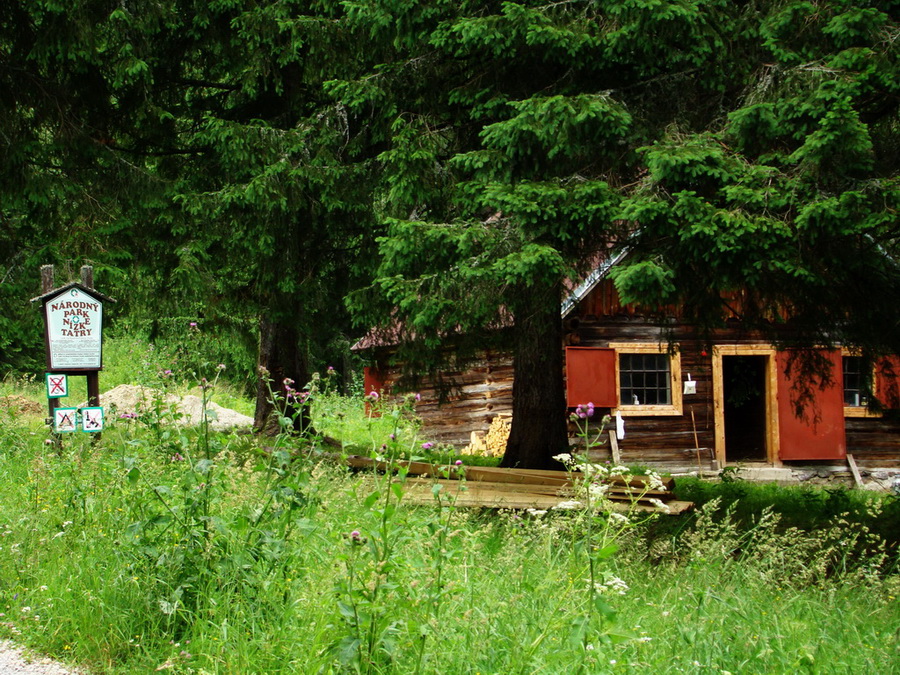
(427, 446)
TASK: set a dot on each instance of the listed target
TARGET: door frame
(772, 434)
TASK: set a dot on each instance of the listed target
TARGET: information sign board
(74, 325)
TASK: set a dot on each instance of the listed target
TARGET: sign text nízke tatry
(74, 321)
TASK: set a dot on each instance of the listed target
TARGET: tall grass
(187, 551)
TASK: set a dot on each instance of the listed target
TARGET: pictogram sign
(57, 386)
(65, 420)
(92, 419)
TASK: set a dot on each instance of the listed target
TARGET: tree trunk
(282, 361)
(539, 429)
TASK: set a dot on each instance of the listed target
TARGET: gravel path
(14, 659)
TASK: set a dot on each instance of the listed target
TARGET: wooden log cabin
(683, 403)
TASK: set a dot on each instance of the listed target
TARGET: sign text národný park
(74, 324)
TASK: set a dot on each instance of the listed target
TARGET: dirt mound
(133, 400)
(21, 405)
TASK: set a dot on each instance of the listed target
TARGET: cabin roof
(391, 335)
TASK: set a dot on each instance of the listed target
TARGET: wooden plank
(481, 487)
(500, 496)
(494, 474)
(614, 447)
(545, 477)
(857, 478)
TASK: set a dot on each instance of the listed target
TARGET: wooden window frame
(862, 410)
(673, 409)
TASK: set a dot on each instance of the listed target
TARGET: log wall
(467, 400)
(672, 443)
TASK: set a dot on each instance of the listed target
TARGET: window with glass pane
(854, 382)
(645, 379)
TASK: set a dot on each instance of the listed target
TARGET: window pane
(645, 379)
(854, 382)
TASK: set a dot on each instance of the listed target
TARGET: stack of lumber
(492, 487)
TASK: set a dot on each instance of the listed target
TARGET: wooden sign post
(73, 334)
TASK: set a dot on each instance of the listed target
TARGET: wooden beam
(614, 448)
(857, 477)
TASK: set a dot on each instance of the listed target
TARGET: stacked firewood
(493, 443)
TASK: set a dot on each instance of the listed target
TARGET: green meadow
(178, 549)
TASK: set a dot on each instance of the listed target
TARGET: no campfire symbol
(65, 420)
(57, 386)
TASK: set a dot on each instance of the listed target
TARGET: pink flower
(427, 446)
(372, 396)
(585, 410)
(459, 462)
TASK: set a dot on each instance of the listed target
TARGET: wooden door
(811, 406)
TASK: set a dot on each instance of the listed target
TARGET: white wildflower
(595, 470)
(618, 518)
(611, 584)
(537, 513)
(597, 489)
(569, 505)
(660, 505)
(654, 482)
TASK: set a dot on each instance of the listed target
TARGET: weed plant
(182, 550)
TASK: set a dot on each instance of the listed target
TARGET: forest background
(288, 174)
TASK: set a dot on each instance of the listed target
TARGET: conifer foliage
(732, 145)
(454, 161)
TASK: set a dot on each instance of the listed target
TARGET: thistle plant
(365, 592)
(598, 528)
(183, 537)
